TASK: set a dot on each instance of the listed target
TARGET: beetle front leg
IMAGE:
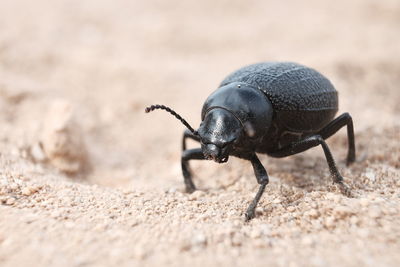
(262, 179)
(187, 176)
(188, 134)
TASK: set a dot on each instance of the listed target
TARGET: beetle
(274, 108)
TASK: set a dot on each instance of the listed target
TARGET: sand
(88, 179)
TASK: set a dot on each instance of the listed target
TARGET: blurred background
(105, 61)
(111, 59)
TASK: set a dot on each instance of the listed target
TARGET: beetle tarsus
(251, 210)
(344, 189)
(351, 157)
(189, 186)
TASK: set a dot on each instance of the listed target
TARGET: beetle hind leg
(307, 143)
(334, 126)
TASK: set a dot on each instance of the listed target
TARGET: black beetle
(275, 108)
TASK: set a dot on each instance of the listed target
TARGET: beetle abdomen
(303, 99)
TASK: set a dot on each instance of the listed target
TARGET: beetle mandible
(274, 108)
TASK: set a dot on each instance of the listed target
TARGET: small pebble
(55, 214)
(255, 233)
(364, 202)
(290, 209)
(371, 176)
(307, 241)
(139, 253)
(199, 239)
(330, 222)
(259, 210)
(14, 186)
(342, 211)
(313, 213)
(10, 201)
(374, 213)
(172, 190)
(62, 138)
(27, 191)
(277, 201)
(236, 240)
(354, 220)
(196, 195)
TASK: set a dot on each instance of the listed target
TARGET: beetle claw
(250, 214)
(223, 160)
(344, 189)
(190, 189)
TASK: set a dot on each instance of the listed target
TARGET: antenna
(154, 107)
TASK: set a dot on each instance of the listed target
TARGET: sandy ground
(75, 77)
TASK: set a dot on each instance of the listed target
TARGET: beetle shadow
(209, 176)
(307, 171)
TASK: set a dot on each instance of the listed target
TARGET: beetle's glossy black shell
(303, 100)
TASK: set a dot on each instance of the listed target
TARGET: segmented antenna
(153, 107)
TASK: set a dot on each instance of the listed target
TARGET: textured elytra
(302, 98)
(289, 86)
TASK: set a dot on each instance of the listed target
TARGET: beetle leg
(307, 143)
(262, 179)
(187, 176)
(334, 126)
(188, 134)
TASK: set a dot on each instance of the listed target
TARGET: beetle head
(246, 106)
(219, 132)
